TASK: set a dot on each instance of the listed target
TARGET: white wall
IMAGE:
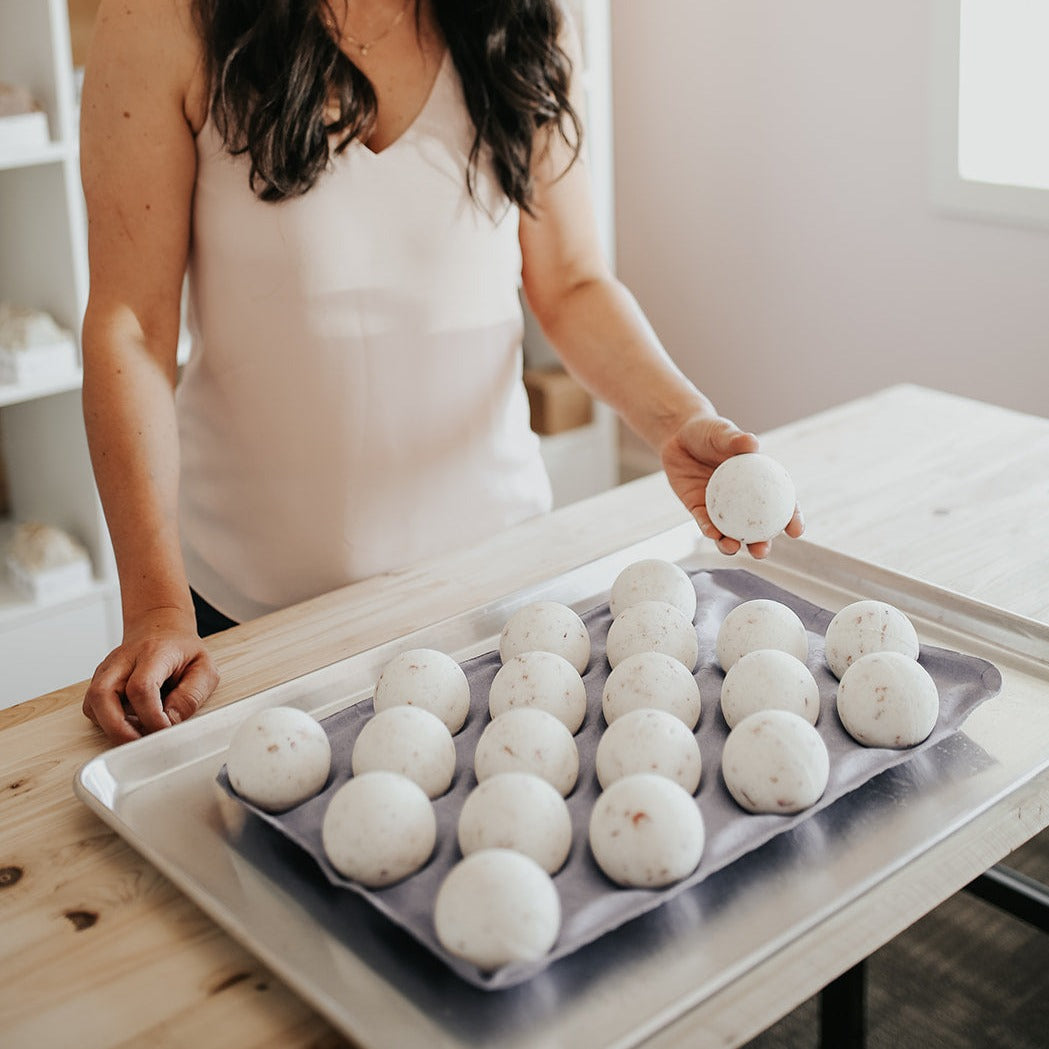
(773, 216)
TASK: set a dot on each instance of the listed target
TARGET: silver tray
(377, 986)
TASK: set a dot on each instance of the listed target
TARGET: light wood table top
(98, 949)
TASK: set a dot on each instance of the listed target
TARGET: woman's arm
(138, 164)
(604, 339)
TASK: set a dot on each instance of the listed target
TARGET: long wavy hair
(274, 71)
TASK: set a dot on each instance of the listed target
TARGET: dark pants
(209, 619)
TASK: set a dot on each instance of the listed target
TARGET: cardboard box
(557, 402)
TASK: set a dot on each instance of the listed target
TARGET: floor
(967, 976)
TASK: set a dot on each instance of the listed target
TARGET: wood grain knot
(228, 982)
(9, 876)
(82, 920)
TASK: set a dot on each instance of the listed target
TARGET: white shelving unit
(43, 265)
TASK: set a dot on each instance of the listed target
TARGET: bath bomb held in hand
(750, 497)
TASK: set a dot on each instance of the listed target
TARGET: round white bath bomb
(653, 579)
(495, 907)
(539, 679)
(651, 680)
(528, 740)
(750, 497)
(408, 740)
(775, 761)
(379, 827)
(646, 831)
(278, 758)
(519, 811)
(887, 699)
(864, 627)
(649, 741)
(653, 626)
(550, 627)
(426, 678)
(768, 679)
(760, 623)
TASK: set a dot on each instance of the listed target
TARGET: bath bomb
(646, 831)
(378, 828)
(528, 740)
(408, 740)
(653, 626)
(775, 761)
(539, 679)
(519, 811)
(278, 758)
(750, 497)
(653, 680)
(426, 678)
(864, 627)
(760, 623)
(768, 679)
(653, 579)
(887, 699)
(649, 741)
(496, 907)
(550, 627)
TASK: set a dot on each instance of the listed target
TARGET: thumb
(195, 684)
(717, 437)
(731, 440)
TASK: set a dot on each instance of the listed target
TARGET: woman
(356, 189)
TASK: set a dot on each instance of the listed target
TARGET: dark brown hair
(273, 68)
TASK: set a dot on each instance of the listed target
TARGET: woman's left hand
(691, 455)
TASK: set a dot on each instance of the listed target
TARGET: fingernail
(173, 716)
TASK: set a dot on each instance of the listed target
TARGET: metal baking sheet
(591, 904)
(375, 983)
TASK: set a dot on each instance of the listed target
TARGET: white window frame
(1014, 205)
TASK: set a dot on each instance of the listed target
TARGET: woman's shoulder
(159, 41)
(140, 22)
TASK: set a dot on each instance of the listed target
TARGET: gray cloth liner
(591, 904)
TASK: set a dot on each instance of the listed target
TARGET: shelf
(60, 382)
(52, 153)
(16, 610)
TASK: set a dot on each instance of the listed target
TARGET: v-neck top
(353, 399)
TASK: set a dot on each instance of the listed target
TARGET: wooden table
(98, 949)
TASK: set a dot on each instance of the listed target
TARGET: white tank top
(353, 399)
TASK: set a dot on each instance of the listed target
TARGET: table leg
(843, 1010)
(1015, 893)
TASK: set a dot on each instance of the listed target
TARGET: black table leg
(843, 1010)
(1015, 893)
(843, 1002)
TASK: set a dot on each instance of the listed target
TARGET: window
(990, 117)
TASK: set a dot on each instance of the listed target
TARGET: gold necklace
(365, 47)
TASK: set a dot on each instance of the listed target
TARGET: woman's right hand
(160, 675)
